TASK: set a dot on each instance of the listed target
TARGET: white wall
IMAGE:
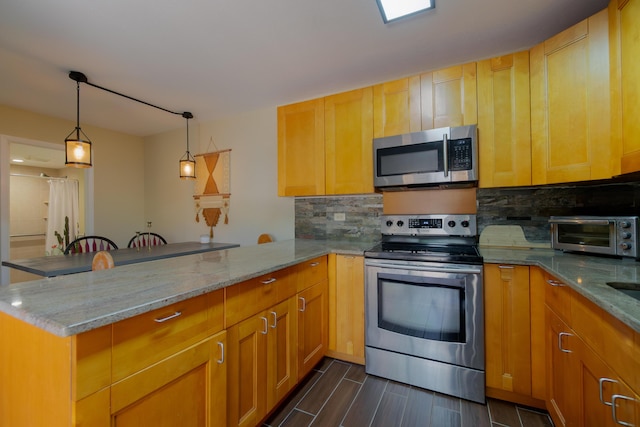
(255, 207)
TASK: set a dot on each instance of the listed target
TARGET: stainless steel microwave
(617, 235)
(433, 157)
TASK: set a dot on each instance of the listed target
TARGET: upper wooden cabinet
(396, 107)
(348, 130)
(301, 149)
(570, 105)
(504, 121)
(448, 97)
(624, 42)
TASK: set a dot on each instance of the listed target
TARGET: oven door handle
(581, 221)
(465, 269)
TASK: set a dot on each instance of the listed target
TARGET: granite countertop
(586, 274)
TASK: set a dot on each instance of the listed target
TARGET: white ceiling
(217, 58)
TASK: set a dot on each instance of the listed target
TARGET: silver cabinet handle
(601, 382)
(555, 283)
(314, 264)
(304, 304)
(268, 281)
(613, 409)
(560, 335)
(506, 267)
(169, 317)
(264, 320)
(221, 345)
(275, 319)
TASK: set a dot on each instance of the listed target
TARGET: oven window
(430, 311)
(585, 234)
(416, 158)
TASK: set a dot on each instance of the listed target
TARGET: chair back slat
(89, 244)
(146, 239)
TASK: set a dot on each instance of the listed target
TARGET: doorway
(41, 154)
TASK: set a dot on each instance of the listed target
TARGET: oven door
(428, 310)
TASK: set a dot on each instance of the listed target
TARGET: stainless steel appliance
(616, 235)
(424, 304)
(441, 156)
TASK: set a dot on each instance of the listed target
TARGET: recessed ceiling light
(396, 9)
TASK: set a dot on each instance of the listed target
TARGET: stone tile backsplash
(529, 207)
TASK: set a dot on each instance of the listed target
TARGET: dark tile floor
(338, 393)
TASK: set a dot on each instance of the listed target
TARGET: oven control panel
(429, 225)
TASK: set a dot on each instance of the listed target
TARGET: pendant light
(77, 149)
(187, 162)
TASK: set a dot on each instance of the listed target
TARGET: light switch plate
(339, 216)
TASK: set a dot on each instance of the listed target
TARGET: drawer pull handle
(268, 281)
(304, 304)
(506, 267)
(555, 283)
(275, 319)
(601, 382)
(265, 322)
(560, 335)
(221, 345)
(169, 317)
(614, 406)
(314, 264)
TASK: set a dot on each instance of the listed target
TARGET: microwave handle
(580, 221)
(445, 151)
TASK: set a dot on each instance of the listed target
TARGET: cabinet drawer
(245, 299)
(611, 339)
(557, 296)
(312, 272)
(150, 337)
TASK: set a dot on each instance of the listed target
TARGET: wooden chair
(264, 238)
(146, 239)
(90, 244)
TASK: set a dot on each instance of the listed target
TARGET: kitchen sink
(629, 288)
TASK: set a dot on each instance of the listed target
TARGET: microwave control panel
(461, 154)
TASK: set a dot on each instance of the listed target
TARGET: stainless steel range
(424, 304)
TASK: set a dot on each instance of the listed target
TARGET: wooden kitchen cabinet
(511, 315)
(449, 97)
(301, 152)
(183, 389)
(504, 121)
(313, 327)
(624, 44)
(396, 107)
(348, 132)
(262, 363)
(570, 104)
(346, 308)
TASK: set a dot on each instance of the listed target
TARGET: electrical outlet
(339, 216)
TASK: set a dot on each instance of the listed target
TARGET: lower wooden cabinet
(513, 324)
(262, 363)
(184, 389)
(346, 308)
(312, 327)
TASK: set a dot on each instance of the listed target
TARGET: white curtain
(63, 202)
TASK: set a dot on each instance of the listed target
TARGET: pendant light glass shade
(77, 148)
(187, 162)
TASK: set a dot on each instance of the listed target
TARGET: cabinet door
(396, 107)
(448, 97)
(624, 16)
(348, 133)
(247, 375)
(312, 327)
(282, 361)
(346, 307)
(175, 391)
(570, 101)
(507, 328)
(562, 371)
(504, 121)
(301, 149)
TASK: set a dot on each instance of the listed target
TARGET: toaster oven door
(596, 236)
